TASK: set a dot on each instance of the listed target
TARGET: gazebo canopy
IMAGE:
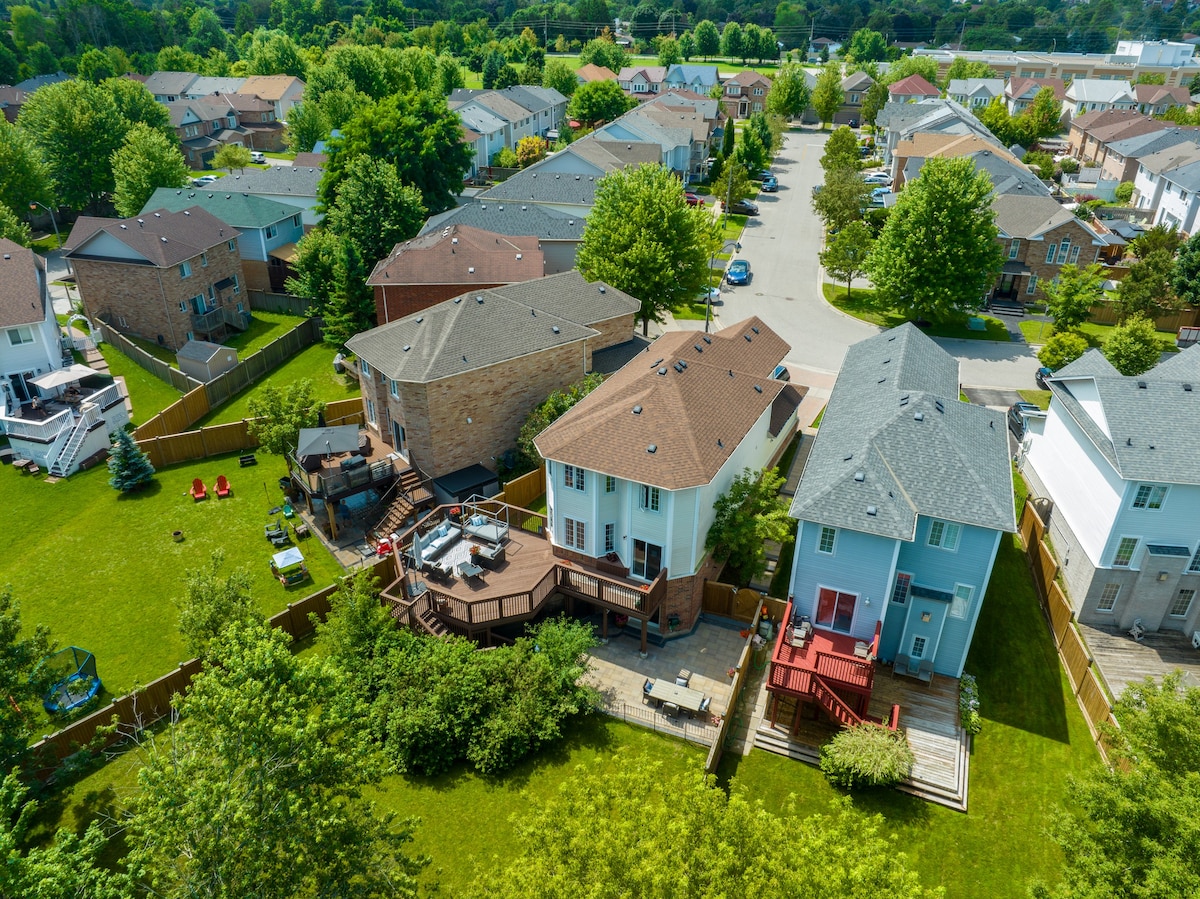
(322, 441)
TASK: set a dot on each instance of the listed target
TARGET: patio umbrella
(61, 376)
(322, 441)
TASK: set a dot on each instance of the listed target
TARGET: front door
(398, 436)
(20, 388)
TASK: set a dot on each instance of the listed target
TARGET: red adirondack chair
(198, 492)
(222, 488)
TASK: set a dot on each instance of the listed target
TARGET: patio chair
(683, 677)
(925, 671)
(900, 665)
(646, 688)
(670, 709)
(198, 490)
(704, 704)
(222, 488)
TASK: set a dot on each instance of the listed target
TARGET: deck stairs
(66, 456)
(400, 503)
(432, 624)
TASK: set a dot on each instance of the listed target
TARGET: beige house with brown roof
(1037, 237)
(633, 470)
(281, 91)
(443, 264)
(928, 144)
(745, 93)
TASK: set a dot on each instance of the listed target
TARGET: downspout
(166, 308)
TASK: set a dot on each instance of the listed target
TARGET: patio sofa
(438, 540)
(487, 529)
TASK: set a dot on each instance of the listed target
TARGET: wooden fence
(1076, 657)
(143, 707)
(735, 695)
(1105, 314)
(745, 604)
(279, 302)
(152, 364)
(522, 491)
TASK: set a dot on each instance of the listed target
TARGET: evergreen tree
(130, 467)
(728, 140)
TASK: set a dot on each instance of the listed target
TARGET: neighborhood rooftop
(238, 209)
(161, 237)
(20, 290)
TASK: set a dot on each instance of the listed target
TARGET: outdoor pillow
(478, 521)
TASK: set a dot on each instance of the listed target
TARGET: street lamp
(33, 208)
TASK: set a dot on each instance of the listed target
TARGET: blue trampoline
(73, 672)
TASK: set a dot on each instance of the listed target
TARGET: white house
(633, 470)
(1166, 177)
(975, 93)
(1118, 458)
(1096, 95)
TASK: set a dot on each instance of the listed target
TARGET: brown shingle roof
(460, 254)
(1157, 93)
(913, 85)
(161, 238)
(20, 292)
(925, 144)
(1018, 86)
(593, 72)
(269, 87)
(709, 394)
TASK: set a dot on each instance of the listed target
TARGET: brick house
(1038, 236)
(169, 277)
(1090, 134)
(443, 264)
(642, 81)
(450, 386)
(854, 90)
(1020, 92)
(1121, 157)
(633, 469)
(912, 89)
(745, 93)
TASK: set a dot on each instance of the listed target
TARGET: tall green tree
(964, 68)
(874, 99)
(732, 183)
(1133, 346)
(827, 95)
(937, 255)
(996, 118)
(1042, 117)
(549, 411)
(1147, 289)
(789, 94)
(750, 152)
(96, 65)
(748, 515)
(22, 683)
(841, 151)
(274, 53)
(129, 466)
(731, 40)
(211, 601)
(603, 52)
(12, 228)
(842, 199)
(642, 238)
(866, 46)
(1186, 280)
(1071, 297)
(144, 163)
(138, 106)
(259, 789)
(668, 50)
(845, 254)
(24, 175)
(1063, 348)
(231, 157)
(350, 309)
(925, 66)
(687, 46)
(280, 412)
(306, 125)
(559, 76)
(374, 209)
(708, 39)
(598, 102)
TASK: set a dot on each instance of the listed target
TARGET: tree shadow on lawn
(898, 808)
(153, 489)
(1013, 655)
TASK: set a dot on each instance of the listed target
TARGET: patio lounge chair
(198, 491)
(222, 488)
(900, 665)
(683, 677)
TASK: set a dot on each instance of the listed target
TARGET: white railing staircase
(62, 462)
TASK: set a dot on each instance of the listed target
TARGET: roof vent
(519, 257)
(886, 361)
(479, 300)
(570, 221)
(163, 239)
(697, 348)
(881, 380)
(637, 410)
(652, 448)
(501, 208)
(707, 339)
(185, 212)
(577, 178)
(677, 367)
(454, 240)
(524, 208)
(755, 330)
(662, 371)
(407, 347)
(937, 404)
(471, 270)
(464, 358)
(554, 328)
(7, 256)
(1187, 388)
(847, 457)
(749, 339)
(1141, 385)
(720, 443)
(602, 288)
(872, 511)
(179, 193)
(419, 319)
(124, 227)
(860, 476)
(483, 205)
(228, 196)
(757, 389)
(904, 400)
(1129, 441)
(456, 299)
(141, 221)
(656, 364)
(920, 416)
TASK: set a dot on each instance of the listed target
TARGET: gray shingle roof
(511, 220)
(22, 274)
(1028, 216)
(895, 418)
(170, 83)
(163, 238)
(1146, 433)
(544, 187)
(296, 181)
(238, 209)
(462, 334)
(1145, 144)
(1008, 178)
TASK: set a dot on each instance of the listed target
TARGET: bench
(248, 459)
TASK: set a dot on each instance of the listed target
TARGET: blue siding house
(901, 507)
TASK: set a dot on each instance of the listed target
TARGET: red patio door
(835, 610)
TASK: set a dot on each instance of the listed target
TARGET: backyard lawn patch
(1040, 398)
(1040, 332)
(148, 394)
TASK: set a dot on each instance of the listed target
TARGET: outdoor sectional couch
(487, 529)
(438, 540)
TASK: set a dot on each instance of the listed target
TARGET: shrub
(1061, 349)
(1124, 192)
(505, 158)
(866, 755)
(1069, 165)
(968, 705)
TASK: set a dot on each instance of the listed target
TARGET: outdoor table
(466, 569)
(684, 697)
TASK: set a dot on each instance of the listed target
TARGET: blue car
(769, 184)
(738, 272)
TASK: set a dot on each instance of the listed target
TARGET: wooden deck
(1122, 660)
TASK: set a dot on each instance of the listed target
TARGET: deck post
(603, 625)
(645, 630)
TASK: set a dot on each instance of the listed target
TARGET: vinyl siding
(1175, 524)
(861, 563)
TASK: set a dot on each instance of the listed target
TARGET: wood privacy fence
(152, 364)
(1105, 314)
(279, 302)
(745, 604)
(522, 491)
(731, 719)
(153, 702)
(1074, 652)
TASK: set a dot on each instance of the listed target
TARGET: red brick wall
(1033, 254)
(393, 301)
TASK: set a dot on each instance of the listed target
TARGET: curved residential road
(782, 244)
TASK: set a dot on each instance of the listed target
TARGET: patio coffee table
(466, 569)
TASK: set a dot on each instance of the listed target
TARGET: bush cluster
(866, 755)
(968, 705)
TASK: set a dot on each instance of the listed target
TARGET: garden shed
(205, 361)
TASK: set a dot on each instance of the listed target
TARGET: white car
(203, 180)
(256, 156)
(878, 178)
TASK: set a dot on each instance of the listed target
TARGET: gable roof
(1166, 161)
(895, 439)
(653, 74)
(971, 87)
(593, 72)
(706, 75)
(1022, 88)
(241, 210)
(1147, 433)
(208, 84)
(926, 144)
(1152, 142)
(1099, 90)
(857, 81)
(170, 83)
(460, 254)
(1027, 216)
(293, 180)
(270, 87)
(511, 219)
(464, 334)
(161, 237)
(21, 299)
(1155, 94)
(1103, 117)
(748, 77)
(912, 86)
(198, 350)
(697, 397)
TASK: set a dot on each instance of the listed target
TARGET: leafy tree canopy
(24, 175)
(866, 46)
(1147, 290)
(602, 52)
(598, 102)
(374, 209)
(1187, 271)
(22, 650)
(549, 411)
(211, 602)
(748, 515)
(280, 412)
(827, 94)
(1070, 299)
(1133, 346)
(790, 94)
(559, 76)
(231, 157)
(841, 199)
(1063, 348)
(841, 151)
(145, 162)
(845, 254)
(12, 228)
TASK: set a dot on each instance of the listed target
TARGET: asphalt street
(782, 244)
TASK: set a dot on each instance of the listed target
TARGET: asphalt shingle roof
(296, 181)
(459, 254)
(21, 301)
(241, 210)
(894, 418)
(512, 220)
(1028, 216)
(161, 237)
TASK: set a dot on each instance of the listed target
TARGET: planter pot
(177, 536)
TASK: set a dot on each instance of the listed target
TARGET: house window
(185, 269)
(1181, 603)
(648, 498)
(20, 336)
(296, 220)
(237, 286)
(647, 560)
(1032, 284)
(610, 484)
(394, 389)
(918, 648)
(610, 537)
(962, 601)
(1125, 552)
(854, 99)
(1053, 248)
(1195, 565)
(835, 610)
(900, 590)
(573, 477)
(204, 260)
(230, 246)
(1074, 255)
(1108, 597)
(1149, 496)
(1062, 249)
(271, 231)
(827, 540)
(364, 368)
(758, 92)
(183, 305)
(944, 534)
(1014, 247)
(573, 533)
(371, 411)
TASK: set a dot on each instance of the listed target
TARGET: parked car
(743, 207)
(770, 184)
(1042, 374)
(878, 178)
(691, 199)
(880, 192)
(738, 272)
(712, 295)
(203, 180)
(781, 373)
(256, 156)
(1016, 417)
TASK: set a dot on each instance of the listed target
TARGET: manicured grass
(691, 311)
(147, 393)
(1039, 332)
(817, 421)
(314, 362)
(100, 569)
(1036, 332)
(1033, 738)
(265, 327)
(161, 353)
(44, 244)
(1041, 398)
(858, 305)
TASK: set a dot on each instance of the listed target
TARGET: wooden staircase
(408, 495)
(432, 624)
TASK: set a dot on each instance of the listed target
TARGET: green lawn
(147, 393)
(858, 305)
(265, 327)
(100, 568)
(1040, 398)
(1033, 738)
(1040, 332)
(1036, 332)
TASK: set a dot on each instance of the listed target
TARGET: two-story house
(633, 470)
(1020, 92)
(521, 111)
(167, 87)
(206, 85)
(1085, 95)
(642, 82)
(1090, 135)
(912, 89)
(1167, 177)
(202, 127)
(281, 91)
(900, 121)
(1038, 237)
(745, 93)
(169, 277)
(674, 133)
(1155, 99)
(975, 93)
(902, 506)
(294, 185)
(854, 90)
(1122, 156)
(1118, 458)
(558, 234)
(41, 422)
(268, 231)
(691, 77)
(593, 72)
